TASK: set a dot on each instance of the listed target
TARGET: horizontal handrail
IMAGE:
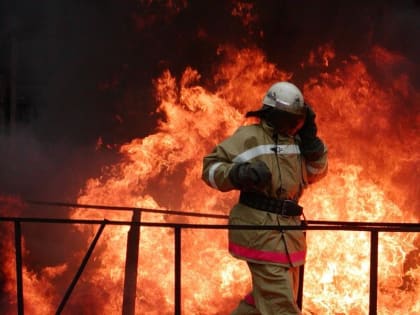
(216, 216)
(124, 208)
(346, 226)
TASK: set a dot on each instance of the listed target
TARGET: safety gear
(283, 108)
(286, 97)
(290, 175)
(283, 122)
(287, 112)
(278, 206)
(268, 296)
(272, 248)
(254, 176)
(311, 145)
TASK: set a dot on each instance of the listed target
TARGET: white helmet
(285, 96)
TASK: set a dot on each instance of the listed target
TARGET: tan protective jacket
(290, 175)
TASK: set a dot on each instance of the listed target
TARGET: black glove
(311, 147)
(254, 176)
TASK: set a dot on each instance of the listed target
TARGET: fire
(37, 286)
(362, 123)
(321, 56)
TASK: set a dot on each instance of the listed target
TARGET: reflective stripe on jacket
(290, 175)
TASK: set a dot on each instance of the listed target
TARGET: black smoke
(84, 68)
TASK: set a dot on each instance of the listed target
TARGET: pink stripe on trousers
(249, 298)
(268, 256)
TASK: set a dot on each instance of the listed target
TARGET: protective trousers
(274, 291)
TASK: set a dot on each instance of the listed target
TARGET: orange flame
(362, 124)
(37, 285)
(163, 170)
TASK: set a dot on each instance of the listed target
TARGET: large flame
(372, 140)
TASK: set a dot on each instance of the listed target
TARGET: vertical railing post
(373, 287)
(131, 265)
(18, 253)
(177, 291)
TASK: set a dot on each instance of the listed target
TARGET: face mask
(283, 122)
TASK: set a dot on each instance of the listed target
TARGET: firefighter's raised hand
(250, 176)
(311, 146)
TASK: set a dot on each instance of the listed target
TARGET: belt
(257, 201)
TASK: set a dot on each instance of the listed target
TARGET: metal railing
(130, 287)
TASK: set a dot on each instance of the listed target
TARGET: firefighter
(270, 163)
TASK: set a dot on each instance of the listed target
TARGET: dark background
(80, 71)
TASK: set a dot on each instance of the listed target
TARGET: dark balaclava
(283, 123)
